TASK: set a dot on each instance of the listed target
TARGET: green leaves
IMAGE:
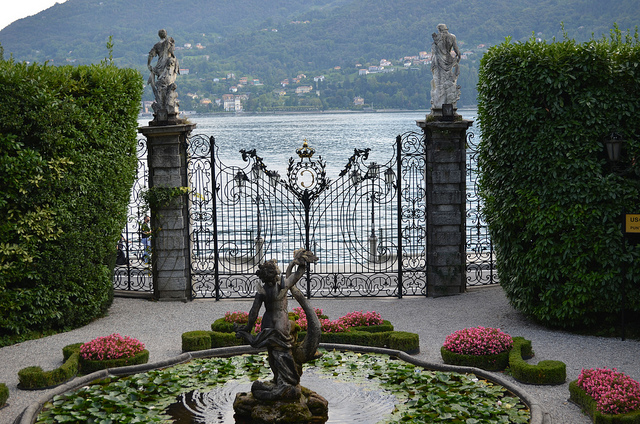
(423, 396)
(67, 143)
(551, 198)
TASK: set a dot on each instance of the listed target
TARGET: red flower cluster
(614, 392)
(242, 318)
(478, 341)
(342, 324)
(111, 347)
(361, 319)
(239, 317)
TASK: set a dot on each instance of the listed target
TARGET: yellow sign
(632, 223)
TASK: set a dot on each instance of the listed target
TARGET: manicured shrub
(495, 362)
(551, 198)
(88, 366)
(110, 352)
(404, 341)
(545, 372)
(35, 378)
(67, 164)
(69, 350)
(196, 340)
(219, 339)
(4, 394)
(589, 406)
(376, 335)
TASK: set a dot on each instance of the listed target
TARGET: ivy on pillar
(169, 203)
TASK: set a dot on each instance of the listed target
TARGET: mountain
(277, 39)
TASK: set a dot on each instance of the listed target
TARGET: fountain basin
(537, 415)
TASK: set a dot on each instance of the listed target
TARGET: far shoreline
(188, 114)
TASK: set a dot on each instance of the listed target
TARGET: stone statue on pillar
(163, 81)
(445, 68)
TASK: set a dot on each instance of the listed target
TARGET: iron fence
(368, 226)
(132, 272)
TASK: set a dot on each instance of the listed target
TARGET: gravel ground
(160, 325)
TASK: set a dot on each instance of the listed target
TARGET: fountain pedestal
(309, 408)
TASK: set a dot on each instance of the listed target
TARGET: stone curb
(29, 415)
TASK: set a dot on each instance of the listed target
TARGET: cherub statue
(285, 356)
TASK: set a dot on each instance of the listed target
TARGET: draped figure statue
(445, 68)
(163, 78)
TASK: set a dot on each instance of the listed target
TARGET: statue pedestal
(170, 250)
(446, 205)
(309, 408)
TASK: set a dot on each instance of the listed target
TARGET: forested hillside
(270, 42)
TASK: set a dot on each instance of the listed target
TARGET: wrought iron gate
(134, 275)
(368, 226)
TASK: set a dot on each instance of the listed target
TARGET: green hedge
(4, 394)
(36, 378)
(497, 362)
(89, 366)
(222, 335)
(551, 198)
(67, 164)
(545, 372)
(588, 405)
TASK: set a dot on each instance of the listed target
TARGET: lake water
(334, 136)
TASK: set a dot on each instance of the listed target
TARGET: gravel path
(160, 325)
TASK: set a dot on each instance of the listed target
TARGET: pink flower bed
(342, 324)
(239, 317)
(111, 347)
(361, 319)
(614, 392)
(478, 341)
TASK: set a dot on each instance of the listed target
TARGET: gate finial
(305, 151)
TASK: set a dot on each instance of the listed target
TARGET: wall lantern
(614, 145)
(389, 177)
(373, 171)
(274, 177)
(240, 179)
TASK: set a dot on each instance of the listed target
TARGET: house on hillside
(303, 89)
(231, 103)
(358, 101)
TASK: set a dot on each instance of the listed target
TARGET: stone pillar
(170, 247)
(445, 205)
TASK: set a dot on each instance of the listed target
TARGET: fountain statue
(446, 69)
(282, 399)
(163, 81)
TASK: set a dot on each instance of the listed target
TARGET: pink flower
(361, 319)
(239, 317)
(111, 347)
(478, 341)
(614, 392)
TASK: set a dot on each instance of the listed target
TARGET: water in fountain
(349, 401)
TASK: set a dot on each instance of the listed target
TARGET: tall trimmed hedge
(67, 164)
(552, 200)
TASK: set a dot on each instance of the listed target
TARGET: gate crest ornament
(307, 178)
